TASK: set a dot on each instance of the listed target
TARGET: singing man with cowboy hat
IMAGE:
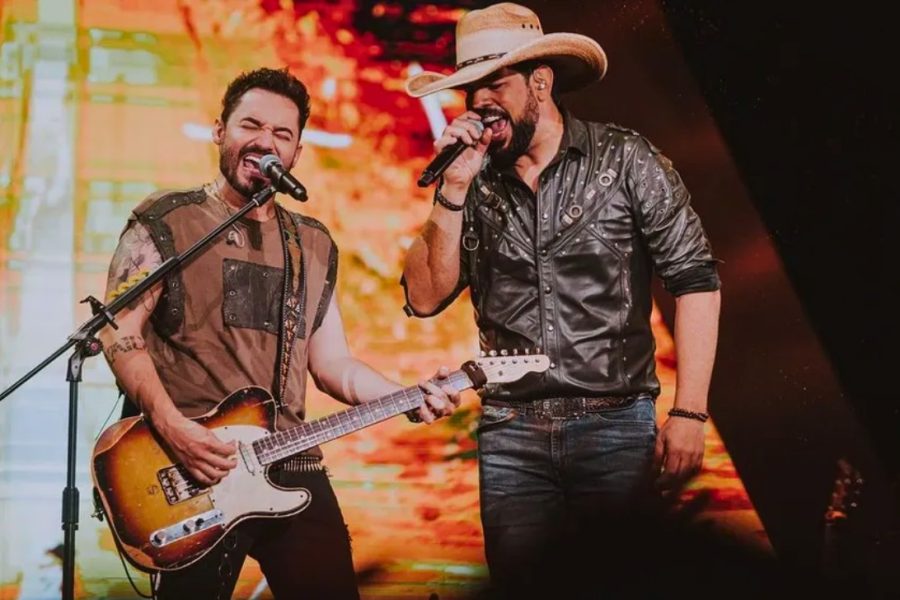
(556, 225)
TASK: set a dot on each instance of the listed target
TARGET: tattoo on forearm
(123, 346)
(135, 256)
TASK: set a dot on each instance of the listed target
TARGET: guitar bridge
(178, 485)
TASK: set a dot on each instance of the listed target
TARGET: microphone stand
(86, 344)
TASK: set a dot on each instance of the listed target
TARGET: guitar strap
(292, 318)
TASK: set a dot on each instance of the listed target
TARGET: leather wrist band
(442, 200)
(688, 414)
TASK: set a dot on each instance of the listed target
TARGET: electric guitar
(163, 520)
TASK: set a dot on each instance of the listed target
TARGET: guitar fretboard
(284, 444)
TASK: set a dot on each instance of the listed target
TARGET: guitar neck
(289, 442)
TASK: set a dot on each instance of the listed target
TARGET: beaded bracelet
(442, 200)
(688, 414)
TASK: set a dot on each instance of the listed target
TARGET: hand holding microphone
(457, 166)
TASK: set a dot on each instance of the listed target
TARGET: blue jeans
(542, 481)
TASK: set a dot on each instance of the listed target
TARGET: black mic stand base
(89, 346)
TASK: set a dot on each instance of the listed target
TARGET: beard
(522, 134)
(229, 162)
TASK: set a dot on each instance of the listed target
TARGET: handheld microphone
(270, 165)
(444, 158)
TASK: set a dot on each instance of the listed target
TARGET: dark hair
(527, 67)
(278, 81)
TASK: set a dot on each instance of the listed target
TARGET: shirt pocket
(252, 295)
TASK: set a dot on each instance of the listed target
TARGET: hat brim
(577, 60)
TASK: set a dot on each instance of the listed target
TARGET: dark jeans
(550, 487)
(304, 556)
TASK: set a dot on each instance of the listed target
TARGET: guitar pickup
(248, 458)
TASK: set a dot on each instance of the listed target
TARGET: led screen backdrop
(103, 102)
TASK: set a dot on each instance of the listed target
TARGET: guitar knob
(503, 353)
(493, 353)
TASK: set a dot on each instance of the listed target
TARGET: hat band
(479, 59)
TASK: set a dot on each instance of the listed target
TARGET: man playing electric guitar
(256, 308)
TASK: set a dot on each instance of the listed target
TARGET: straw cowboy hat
(505, 34)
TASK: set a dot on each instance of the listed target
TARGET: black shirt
(567, 270)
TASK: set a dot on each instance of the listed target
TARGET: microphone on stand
(270, 166)
(445, 158)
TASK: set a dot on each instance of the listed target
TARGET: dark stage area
(801, 207)
(780, 118)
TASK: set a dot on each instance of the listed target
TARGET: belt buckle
(554, 409)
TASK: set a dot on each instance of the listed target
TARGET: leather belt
(565, 408)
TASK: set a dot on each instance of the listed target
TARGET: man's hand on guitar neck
(207, 458)
(349, 380)
(440, 400)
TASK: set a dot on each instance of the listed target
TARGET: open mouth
(497, 123)
(251, 163)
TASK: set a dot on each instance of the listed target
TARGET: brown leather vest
(218, 324)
